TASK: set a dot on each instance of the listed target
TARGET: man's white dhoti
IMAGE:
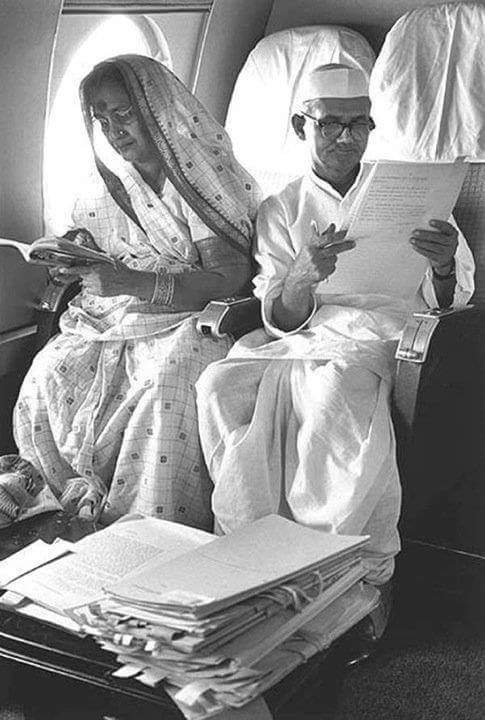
(299, 423)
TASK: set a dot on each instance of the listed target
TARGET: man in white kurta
(297, 419)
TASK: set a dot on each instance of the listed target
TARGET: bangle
(164, 289)
(450, 274)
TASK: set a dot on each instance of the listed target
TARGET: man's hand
(438, 245)
(106, 280)
(317, 260)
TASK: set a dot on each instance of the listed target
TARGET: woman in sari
(107, 411)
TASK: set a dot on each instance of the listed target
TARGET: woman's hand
(107, 280)
(437, 245)
(81, 236)
(84, 497)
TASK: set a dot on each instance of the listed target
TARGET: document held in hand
(57, 251)
(396, 198)
(236, 566)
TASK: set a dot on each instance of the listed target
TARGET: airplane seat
(259, 113)
(423, 111)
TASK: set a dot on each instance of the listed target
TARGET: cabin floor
(430, 664)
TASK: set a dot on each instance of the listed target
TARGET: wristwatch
(450, 274)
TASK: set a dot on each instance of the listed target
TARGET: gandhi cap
(333, 81)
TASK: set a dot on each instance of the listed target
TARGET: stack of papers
(215, 621)
(47, 581)
(223, 622)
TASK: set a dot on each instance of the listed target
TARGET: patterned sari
(111, 398)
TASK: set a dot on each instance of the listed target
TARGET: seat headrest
(428, 86)
(259, 114)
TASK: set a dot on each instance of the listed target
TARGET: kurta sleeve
(465, 269)
(274, 254)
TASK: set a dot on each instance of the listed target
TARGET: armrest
(426, 334)
(232, 316)
(439, 405)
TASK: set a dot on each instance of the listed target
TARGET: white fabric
(111, 397)
(284, 223)
(428, 86)
(301, 424)
(333, 81)
(265, 96)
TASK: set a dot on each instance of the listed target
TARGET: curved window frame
(68, 163)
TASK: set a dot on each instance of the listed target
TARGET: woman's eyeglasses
(331, 129)
(120, 117)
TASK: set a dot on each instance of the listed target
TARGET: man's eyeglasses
(331, 129)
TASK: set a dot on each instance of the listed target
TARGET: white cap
(333, 81)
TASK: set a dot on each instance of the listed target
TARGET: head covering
(195, 150)
(428, 86)
(265, 93)
(333, 81)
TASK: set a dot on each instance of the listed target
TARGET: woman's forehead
(110, 95)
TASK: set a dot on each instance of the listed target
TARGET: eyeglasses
(120, 117)
(331, 130)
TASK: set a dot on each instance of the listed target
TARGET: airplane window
(68, 161)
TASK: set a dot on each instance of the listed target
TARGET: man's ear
(298, 122)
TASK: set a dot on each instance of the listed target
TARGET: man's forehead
(339, 106)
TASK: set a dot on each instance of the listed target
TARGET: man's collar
(325, 185)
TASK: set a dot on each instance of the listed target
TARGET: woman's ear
(298, 122)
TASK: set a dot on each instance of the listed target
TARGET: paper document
(104, 557)
(33, 556)
(235, 566)
(396, 198)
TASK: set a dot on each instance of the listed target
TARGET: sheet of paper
(235, 566)
(50, 617)
(396, 198)
(104, 557)
(33, 556)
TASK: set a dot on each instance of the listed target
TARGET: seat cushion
(428, 86)
(259, 115)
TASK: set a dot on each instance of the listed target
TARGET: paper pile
(223, 622)
(46, 581)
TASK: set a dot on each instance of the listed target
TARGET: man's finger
(429, 254)
(444, 227)
(333, 238)
(438, 238)
(335, 248)
(429, 245)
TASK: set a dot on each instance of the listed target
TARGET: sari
(111, 398)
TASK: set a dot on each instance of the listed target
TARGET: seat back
(262, 103)
(470, 215)
(428, 101)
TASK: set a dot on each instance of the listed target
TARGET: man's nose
(345, 136)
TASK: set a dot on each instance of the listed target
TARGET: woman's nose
(115, 130)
